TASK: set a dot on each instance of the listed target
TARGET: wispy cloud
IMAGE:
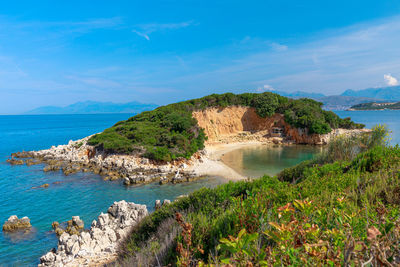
(355, 57)
(277, 46)
(142, 34)
(144, 30)
(94, 81)
(390, 80)
(60, 26)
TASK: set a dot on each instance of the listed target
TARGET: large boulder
(14, 224)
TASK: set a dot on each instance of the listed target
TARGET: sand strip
(213, 165)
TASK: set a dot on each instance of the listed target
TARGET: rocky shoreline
(133, 169)
(99, 244)
(79, 156)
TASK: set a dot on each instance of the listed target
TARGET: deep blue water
(390, 118)
(82, 194)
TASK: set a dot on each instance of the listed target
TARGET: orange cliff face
(239, 123)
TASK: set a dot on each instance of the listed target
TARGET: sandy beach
(213, 165)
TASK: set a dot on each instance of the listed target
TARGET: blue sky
(166, 51)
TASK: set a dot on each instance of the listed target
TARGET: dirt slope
(238, 123)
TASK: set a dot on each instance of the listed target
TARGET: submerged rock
(13, 161)
(100, 241)
(14, 224)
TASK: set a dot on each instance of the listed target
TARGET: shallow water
(255, 161)
(82, 194)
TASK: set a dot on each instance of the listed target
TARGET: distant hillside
(339, 102)
(333, 102)
(92, 107)
(298, 94)
(386, 93)
(376, 106)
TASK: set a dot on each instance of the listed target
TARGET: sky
(62, 52)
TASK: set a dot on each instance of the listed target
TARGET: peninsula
(183, 141)
(377, 106)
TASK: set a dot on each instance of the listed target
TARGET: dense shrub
(169, 132)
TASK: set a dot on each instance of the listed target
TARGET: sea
(86, 194)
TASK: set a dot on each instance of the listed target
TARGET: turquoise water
(82, 194)
(86, 194)
(255, 161)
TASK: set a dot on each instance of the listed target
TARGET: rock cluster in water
(101, 241)
(14, 224)
(74, 226)
(79, 156)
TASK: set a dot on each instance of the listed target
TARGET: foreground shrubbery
(339, 213)
(170, 131)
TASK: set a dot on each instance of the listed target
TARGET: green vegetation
(376, 106)
(342, 212)
(169, 132)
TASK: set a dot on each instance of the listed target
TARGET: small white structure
(276, 132)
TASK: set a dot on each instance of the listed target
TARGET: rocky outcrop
(158, 205)
(14, 161)
(74, 226)
(99, 244)
(13, 224)
(132, 169)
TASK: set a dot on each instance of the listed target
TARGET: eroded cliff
(239, 123)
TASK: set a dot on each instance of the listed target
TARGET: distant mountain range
(299, 94)
(350, 97)
(391, 93)
(334, 102)
(92, 107)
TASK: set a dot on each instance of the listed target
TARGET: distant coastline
(376, 106)
(93, 107)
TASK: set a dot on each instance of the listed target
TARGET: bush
(265, 104)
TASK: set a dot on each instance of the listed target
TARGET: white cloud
(390, 80)
(144, 30)
(265, 88)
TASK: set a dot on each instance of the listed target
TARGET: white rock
(102, 238)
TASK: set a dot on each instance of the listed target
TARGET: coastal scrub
(341, 212)
(171, 132)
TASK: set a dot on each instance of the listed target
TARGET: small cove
(257, 160)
